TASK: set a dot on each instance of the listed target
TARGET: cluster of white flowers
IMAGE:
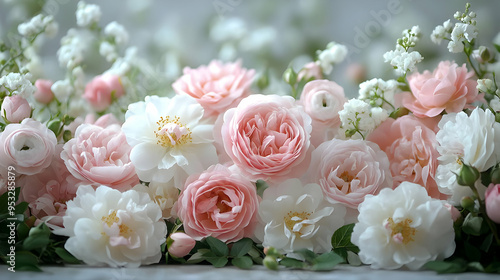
(18, 84)
(359, 119)
(465, 30)
(441, 32)
(117, 32)
(37, 25)
(70, 54)
(333, 54)
(378, 92)
(62, 90)
(402, 60)
(87, 14)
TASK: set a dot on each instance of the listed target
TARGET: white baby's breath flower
(378, 91)
(108, 51)
(228, 29)
(461, 32)
(38, 24)
(358, 114)
(18, 84)
(62, 90)
(117, 32)
(163, 194)
(403, 227)
(87, 14)
(70, 54)
(297, 217)
(333, 54)
(485, 85)
(106, 226)
(495, 104)
(402, 60)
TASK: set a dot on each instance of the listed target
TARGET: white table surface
(205, 272)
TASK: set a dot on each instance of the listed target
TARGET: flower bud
(263, 80)
(43, 93)
(482, 54)
(467, 203)
(455, 214)
(492, 202)
(468, 176)
(290, 76)
(271, 251)
(181, 245)
(15, 108)
(495, 175)
(310, 71)
(270, 263)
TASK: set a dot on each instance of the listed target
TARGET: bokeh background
(265, 34)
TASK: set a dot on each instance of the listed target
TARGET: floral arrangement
(109, 170)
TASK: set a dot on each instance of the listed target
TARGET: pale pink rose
(182, 244)
(28, 146)
(43, 93)
(410, 143)
(311, 70)
(100, 156)
(103, 121)
(218, 203)
(217, 87)
(348, 170)
(48, 191)
(492, 201)
(15, 108)
(322, 101)
(267, 137)
(449, 88)
(102, 89)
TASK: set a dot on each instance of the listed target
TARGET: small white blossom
(38, 24)
(87, 14)
(70, 54)
(359, 115)
(461, 32)
(333, 54)
(79, 78)
(495, 104)
(117, 32)
(18, 84)
(62, 90)
(402, 60)
(108, 51)
(376, 89)
(485, 85)
(123, 64)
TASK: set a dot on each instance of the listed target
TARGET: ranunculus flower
(106, 226)
(449, 88)
(322, 101)
(15, 108)
(403, 227)
(217, 87)
(28, 146)
(409, 143)
(181, 245)
(295, 216)
(267, 137)
(102, 89)
(492, 201)
(43, 93)
(100, 156)
(218, 203)
(348, 170)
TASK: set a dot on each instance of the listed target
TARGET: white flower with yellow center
(403, 227)
(106, 226)
(163, 194)
(168, 138)
(296, 217)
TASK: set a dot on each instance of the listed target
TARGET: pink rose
(410, 143)
(449, 88)
(15, 108)
(492, 201)
(218, 203)
(43, 93)
(217, 87)
(322, 101)
(311, 70)
(182, 244)
(267, 137)
(28, 146)
(348, 170)
(100, 156)
(101, 91)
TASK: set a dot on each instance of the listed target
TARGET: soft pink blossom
(267, 137)
(100, 156)
(311, 70)
(455, 214)
(43, 93)
(410, 143)
(348, 170)
(218, 203)
(217, 87)
(28, 146)
(102, 89)
(182, 244)
(103, 121)
(449, 88)
(15, 108)
(492, 201)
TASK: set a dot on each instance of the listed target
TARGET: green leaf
(493, 267)
(445, 267)
(197, 257)
(326, 261)
(218, 247)
(241, 248)
(475, 266)
(216, 261)
(38, 237)
(497, 47)
(26, 261)
(261, 187)
(22, 230)
(21, 207)
(472, 225)
(485, 246)
(307, 254)
(66, 256)
(293, 263)
(342, 239)
(472, 252)
(244, 262)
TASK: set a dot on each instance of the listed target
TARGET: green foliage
(341, 241)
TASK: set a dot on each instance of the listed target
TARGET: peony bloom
(403, 227)
(468, 139)
(449, 88)
(267, 137)
(15, 109)
(43, 93)
(101, 91)
(28, 146)
(218, 203)
(100, 156)
(217, 87)
(163, 194)
(322, 101)
(106, 226)
(348, 170)
(168, 138)
(492, 201)
(410, 143)
(181, 245)
(297, 217)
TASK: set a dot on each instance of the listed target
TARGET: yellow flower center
(112, 219)
(171, 132)
(347, 178)
(401, 232)
(293, 218)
